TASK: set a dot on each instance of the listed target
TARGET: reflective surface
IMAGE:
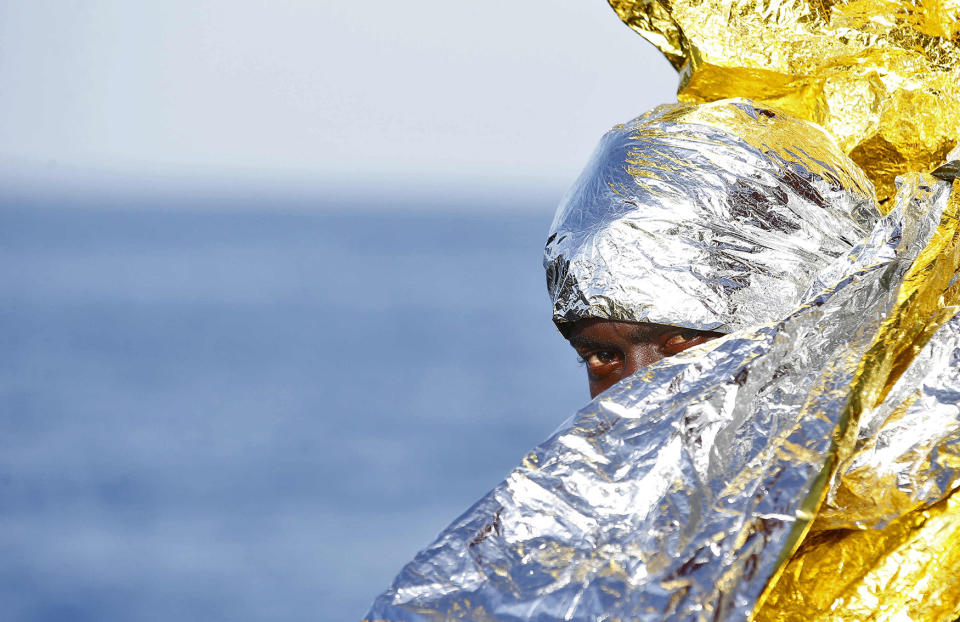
(712, 217)
(883, 78)
(682, 493)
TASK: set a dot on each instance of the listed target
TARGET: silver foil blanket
(713, 217)
(678, 493)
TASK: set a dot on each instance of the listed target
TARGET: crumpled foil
(712, 217)
(684, 492)
(883, 77)
(907, 452)
(897, 485)
(905, 571)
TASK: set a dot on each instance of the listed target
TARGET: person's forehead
(595, 331)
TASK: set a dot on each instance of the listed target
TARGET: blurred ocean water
(258, 414)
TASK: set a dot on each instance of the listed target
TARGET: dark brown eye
(601, 363)
(604, 357)
(597, 359)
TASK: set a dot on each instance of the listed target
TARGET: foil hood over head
(712, 217)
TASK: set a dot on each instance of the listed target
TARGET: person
(725, 273)
(688, 216)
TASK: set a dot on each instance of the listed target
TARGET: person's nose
(630, 367)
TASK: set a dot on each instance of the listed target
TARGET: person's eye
(600, 362)
(675, 341)
(678, 342)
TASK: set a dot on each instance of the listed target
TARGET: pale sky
(356, 96)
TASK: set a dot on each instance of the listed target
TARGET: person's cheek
(605, 373)
(601, 382)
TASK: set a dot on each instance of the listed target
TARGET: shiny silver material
(908, 448)
(678, 493)
(907, 452)
(713, 217)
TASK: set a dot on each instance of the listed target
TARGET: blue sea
(258, 413)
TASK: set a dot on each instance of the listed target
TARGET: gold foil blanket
(883, 77)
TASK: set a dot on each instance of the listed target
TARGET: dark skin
(613, 350)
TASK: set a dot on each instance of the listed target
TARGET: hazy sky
(354, 95)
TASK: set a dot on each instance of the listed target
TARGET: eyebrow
(641, 333)
(586, 343)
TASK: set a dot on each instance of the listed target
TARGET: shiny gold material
(923, 305)
(906, 571)
(882, 76)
